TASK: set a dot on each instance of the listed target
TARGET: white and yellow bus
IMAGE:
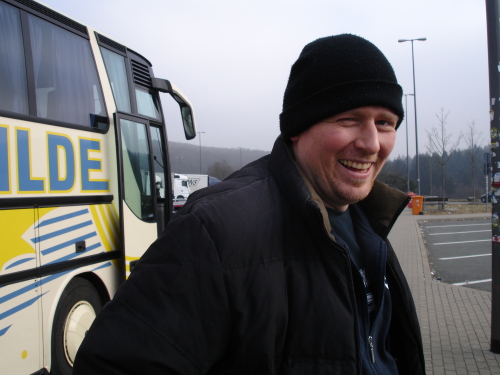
(85, 182)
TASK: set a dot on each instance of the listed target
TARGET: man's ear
(294, 138)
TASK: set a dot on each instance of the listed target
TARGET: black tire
(483, 199)
(80, 302)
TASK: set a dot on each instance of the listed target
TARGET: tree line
(445, 169)
(458, 181)
(189, 158)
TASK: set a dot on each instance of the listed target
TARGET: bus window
(115, 67)
(66, 82)
(159, 161)
(146, 104)
(13, 87)
(137, 169)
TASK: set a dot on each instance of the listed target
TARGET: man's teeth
(353, 164)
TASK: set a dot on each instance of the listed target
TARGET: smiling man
(284, 267)
(342, 155)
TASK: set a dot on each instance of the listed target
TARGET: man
(285, 267)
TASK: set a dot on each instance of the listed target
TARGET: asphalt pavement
(459, 251)
(455, 320)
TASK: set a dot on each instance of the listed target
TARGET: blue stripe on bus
(68, 243)
(50, 278)
(31, 286)
(62, 231)
(20, 307)
(103, 266)
(62, 218)
(4, 330)
(46, 280)
(21, 261)
(74, 255)
(4, 160)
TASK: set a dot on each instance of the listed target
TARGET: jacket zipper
(372, 350)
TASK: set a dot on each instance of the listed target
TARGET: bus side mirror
(187, 114)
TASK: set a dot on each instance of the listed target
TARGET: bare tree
(431, 168)
(472, 138)
(430, 161)
(220, 170)
(440, 143)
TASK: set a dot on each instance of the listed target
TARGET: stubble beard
(346, 193)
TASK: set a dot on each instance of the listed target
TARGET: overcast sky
(232, 58)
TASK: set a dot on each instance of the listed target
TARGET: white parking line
(450, 243)
(466, 256)
(473, 282)
(458, 225)
(471, 231)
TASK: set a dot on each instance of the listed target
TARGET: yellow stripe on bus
(106, 220)
(100, 229)
(110, 209)
(129, 259)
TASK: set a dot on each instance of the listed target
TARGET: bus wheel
(77, 309)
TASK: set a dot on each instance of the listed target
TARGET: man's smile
(355, 165)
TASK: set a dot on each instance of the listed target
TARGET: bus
(85, 181)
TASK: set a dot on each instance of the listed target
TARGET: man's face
(342, 155)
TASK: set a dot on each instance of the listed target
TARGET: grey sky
(232, 58)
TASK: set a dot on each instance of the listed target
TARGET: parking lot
(460, 251)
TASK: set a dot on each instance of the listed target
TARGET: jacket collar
(382, 206)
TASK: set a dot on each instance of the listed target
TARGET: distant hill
(185, 157)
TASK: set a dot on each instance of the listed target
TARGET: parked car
(483, 197)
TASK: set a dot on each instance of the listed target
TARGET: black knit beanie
(335, 74)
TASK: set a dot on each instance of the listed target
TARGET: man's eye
(386, 123)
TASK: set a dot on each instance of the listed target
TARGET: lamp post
(493, 29)
(199, 136)
(407, 153)
(415, 105)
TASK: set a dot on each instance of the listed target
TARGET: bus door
(143, 184)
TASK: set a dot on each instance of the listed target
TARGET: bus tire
(76, 310)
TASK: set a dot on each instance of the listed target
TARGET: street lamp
(415, 105)
(199, 136)
(407, 153)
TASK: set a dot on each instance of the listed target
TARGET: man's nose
(367, 138)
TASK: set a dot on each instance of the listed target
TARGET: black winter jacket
(247, 279)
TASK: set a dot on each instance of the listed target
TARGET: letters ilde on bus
(64, 157)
